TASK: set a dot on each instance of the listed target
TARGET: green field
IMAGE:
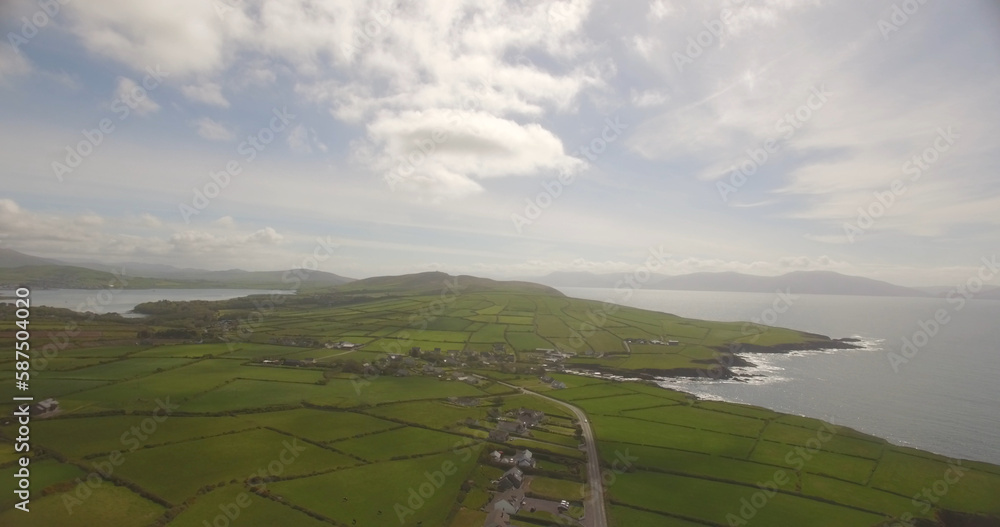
(223, 459)
(107, 505)
(258, 511)
(398, 444)
(319, 425)
(434, 414)
(386, 499)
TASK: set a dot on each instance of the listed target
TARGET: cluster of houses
(463, 377)
(511, 498)
(522, 459)
(454, 357)
(655, 342)
(288, 362)
(437, 363)
(554, 356)
(521, 422)
(511, 487)
(558, 385)
(342, 345)
(301, 342)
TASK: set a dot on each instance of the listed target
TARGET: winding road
(595, 514)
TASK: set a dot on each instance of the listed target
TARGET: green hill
(55, 277)
(436, 282)
(466, 313)
(18, 269)
(70, 277)
(12, 258)
(49, 276)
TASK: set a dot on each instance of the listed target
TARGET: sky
(505, 138)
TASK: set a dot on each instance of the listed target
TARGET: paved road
(595, 513)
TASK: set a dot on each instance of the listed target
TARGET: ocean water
(123, 301)
(945, 398)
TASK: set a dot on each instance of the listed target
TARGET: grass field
(257, 512)
(107, 505)
(224, 458)
(397, 444)
(319, 425)
(714, 501)
(557, 489)
(434, 414)
(628, 517)
(823, 475)
(79, 438)
(44, 474)
(389, 498)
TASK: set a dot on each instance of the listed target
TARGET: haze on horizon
(418, 138)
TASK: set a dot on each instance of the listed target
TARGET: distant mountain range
(989, 292)
(17, 269)
(802, 282)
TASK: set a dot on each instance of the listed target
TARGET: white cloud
(9, 208)
(89, 220)
(443, 152)
(258, 72)
(462, 59)
(92, 236)
(182, 37)
(739, 93)
(660, 9)
(148, 220)
(833, 239)
(25, 226)
(134, 96)
(208, 93)
(214, 131)
(206, 242)
(68, 81)
(12, 64)
(648, 98)
(302, 140)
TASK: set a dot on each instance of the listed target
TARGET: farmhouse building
(512, 427)
(45, 407)
(524, 459)
(530, 417)
(464, 401)
(499, 436)
(512, 479)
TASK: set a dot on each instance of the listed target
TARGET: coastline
(721, 368)
(662, 382)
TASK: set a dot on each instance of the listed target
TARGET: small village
(512, 490)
